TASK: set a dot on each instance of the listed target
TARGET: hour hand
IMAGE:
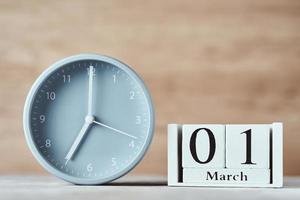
(88, 121)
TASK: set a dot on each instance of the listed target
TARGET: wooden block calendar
(233, 155)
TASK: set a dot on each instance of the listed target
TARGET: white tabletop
(135, 187)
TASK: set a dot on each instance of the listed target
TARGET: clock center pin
(89, 119)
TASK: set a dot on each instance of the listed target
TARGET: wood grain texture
(135, 187)
(203, 61)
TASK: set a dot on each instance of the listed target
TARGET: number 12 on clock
(238, 155)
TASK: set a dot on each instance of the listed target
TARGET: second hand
(116, 130)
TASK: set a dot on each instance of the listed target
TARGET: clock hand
(88, 121)
(90, 97)
(116, 130)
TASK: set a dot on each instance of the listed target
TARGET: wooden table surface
(135, 187)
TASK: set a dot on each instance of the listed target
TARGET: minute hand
(116, 130)
(90, 95)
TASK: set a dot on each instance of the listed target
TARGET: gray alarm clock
(88, 119)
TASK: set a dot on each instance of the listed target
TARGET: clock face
(88, 119)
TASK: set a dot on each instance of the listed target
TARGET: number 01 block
(225, 155)
(203, 146)
(248, 146)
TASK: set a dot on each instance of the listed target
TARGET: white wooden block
(263, 177)
(248, 146)
(174, 164)
(203, 145)
(226, 176)
(277, 154)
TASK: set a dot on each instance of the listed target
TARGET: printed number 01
(212, 146)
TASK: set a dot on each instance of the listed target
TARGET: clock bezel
(28, 106)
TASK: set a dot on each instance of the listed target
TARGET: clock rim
(28, 107)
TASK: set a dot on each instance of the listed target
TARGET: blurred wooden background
(204, 61)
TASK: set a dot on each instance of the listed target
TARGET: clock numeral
(67, 78)
(113, 162)
(47, 143)
(138, 119)
(131, 95)
(50, 96)
(131, 144)
(94, 71)
(89, 167)
(42, 119)
(114, 78)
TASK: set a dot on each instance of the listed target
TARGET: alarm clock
(88, 119)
